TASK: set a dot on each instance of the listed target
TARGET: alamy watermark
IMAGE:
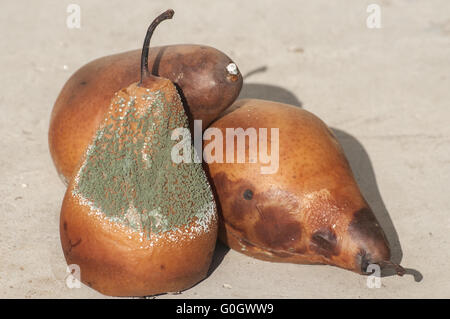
(73, 20)
(257, 148)
(374, 279)
(374, 19)
(73, 279)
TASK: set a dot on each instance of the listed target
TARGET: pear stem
(145, 48)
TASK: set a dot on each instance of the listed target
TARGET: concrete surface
(384, 91)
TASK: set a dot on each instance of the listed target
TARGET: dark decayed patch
(368, 234)
(363, 259)
(276, 228)
(248, 194)
(232, 192)
(364, 227)
(324, 242)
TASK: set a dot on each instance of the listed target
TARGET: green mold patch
(128, 173)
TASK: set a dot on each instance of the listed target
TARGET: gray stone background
(384, 91)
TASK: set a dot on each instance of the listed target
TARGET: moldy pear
(135, 222)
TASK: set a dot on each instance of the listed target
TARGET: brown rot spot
(83, 82)
(276, 228)
(370, 238)
(364, 226)
(162, 267)
(248, 194)
(222, 183)
(241, 200)
(234, 197)
(324, 242)
(65, 226)
(363, 259)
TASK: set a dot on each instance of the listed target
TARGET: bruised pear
(133, 220)
(207, 79)
(308, 211)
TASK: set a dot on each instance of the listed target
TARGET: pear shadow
(360, 164)
(157, 62)
(268, 92)
(221, 249)
(220, 252)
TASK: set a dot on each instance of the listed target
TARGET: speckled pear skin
(200, 72)
(310, 211)
(135, 222)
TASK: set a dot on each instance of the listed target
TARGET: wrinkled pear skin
(310, 211)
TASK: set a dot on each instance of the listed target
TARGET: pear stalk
(168, 14)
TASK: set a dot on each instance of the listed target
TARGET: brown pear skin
(121, 220)
(200, 73)
(311, 210)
